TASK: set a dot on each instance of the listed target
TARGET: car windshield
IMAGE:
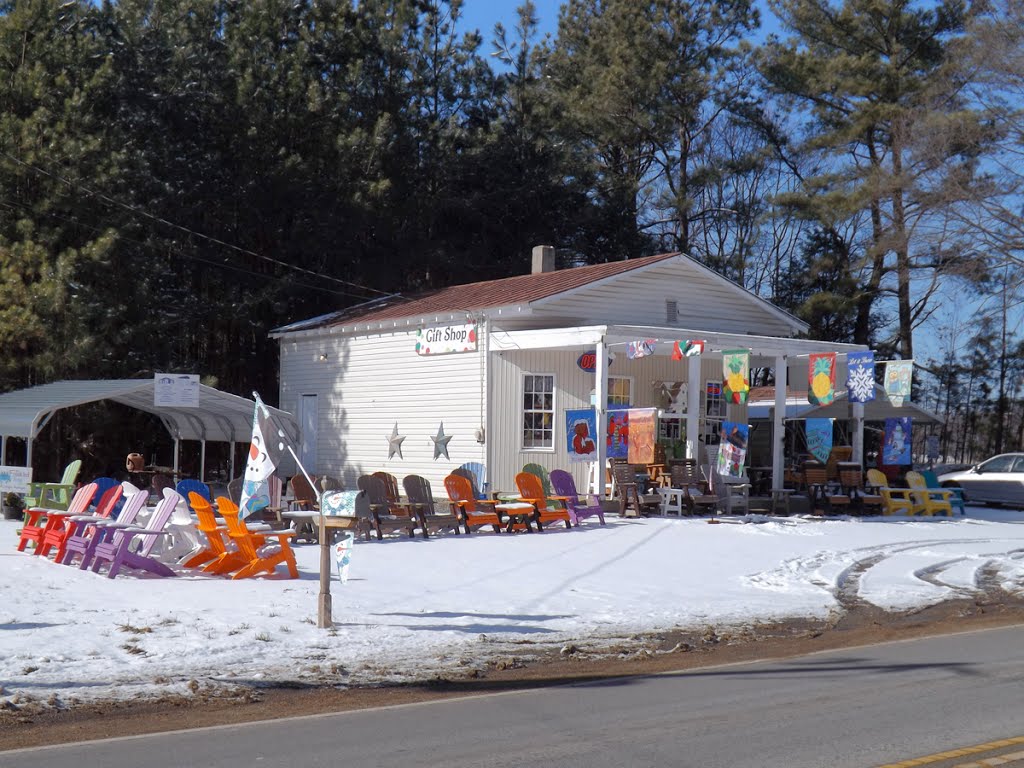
(998, 464)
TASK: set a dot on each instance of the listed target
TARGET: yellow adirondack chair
(929, 501)
(895, 501)
(54, 495)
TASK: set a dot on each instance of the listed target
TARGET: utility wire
(148, 215)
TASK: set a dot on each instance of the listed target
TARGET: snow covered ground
(414, 609)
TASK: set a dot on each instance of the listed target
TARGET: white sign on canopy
(175, 390)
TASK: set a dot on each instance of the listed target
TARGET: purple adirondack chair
(87, 527)
(564, 485)
(115, 544)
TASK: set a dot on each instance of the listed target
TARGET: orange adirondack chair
(473, 511)
(258, 555)
(215, 557)
(531, 490)
(64, 528)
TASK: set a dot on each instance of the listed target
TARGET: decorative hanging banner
(580, 431)
(643, 429)
(898, 374)
(618, 433)
(821, 379)
(896, 449)
(736, 371)
(343, 555)
(819, 438)
(641, 348)
(732, 451)
(860, 379)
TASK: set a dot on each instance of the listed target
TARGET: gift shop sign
(445, 339)
(15, 479)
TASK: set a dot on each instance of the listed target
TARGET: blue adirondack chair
(956, 500)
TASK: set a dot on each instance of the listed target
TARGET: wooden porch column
(693, 385)
(601, 410)
(857, 415)
(778, 421)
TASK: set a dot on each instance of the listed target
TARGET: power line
(161, 220)
(192, 257)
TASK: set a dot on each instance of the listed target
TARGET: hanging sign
(821, 379)
(176, 390)
(736, 371)
(581, 433)
(860, 382)
(446, 339)
(898, 375)
(588, 361)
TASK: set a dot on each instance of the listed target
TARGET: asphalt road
(855, 707)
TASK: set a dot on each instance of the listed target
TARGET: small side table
(780, 498)
(520, 515)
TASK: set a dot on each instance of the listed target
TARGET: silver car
(1000, 480)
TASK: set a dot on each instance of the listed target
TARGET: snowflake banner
(821, 379)
(860, 381)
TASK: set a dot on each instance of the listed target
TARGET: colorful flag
(821, 379)
(343, 555)
(677, 350)
(860, 379)
(618, 433)
(898, 374)
(732, 451)
(642, 435)
(897, 441)
(265, 452)
(641, 348)
(819, 438)
(736, 372)
(581, 434)
(693, 348)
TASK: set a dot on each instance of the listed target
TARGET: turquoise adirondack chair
(956, 501)
(54, 495)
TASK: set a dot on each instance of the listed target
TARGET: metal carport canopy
(221, 416)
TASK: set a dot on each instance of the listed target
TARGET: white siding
(703, 302)
(572, 390)
(367, 384)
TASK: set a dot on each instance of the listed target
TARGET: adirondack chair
(564, 485)
(476, 473)
(103, 484)
(304, 495)
(733, 492)
(59, 535)
(386, 516)
(628, 490)
(531, 490)
(39, 521)
(929, 501)
(393, 494)
(235, 489)
(895, 501)
(86, 535)
(542, 475)
(54, 495)
(852, 480)
(219, 555)
(836, 456)
(956, 501)
(474, 512)
(697, 496)
(421, 499)
(259, 555)
(823, 494)
(185, 488)
(115, 544)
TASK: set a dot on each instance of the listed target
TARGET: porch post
(3, 450)
(202, 461)
(778, 421)
(693, 385)
(857, 413)
(177, 452)
(601, 411)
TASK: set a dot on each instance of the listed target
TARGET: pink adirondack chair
(86, 534)
(564, 485)
(39, 521)
(115, 544)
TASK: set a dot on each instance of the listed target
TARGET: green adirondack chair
(55, 496)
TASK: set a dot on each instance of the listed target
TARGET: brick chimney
(543, 259)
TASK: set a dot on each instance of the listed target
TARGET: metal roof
(220, 416)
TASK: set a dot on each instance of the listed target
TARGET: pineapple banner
(860, 379)
(736, 369)
(821, 378)
(898, 374)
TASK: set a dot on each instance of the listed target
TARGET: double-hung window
(539, 411)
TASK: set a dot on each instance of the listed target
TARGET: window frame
(632, 383)
(523, 448)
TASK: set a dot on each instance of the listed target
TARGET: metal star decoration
(395, 442)
(441, 442)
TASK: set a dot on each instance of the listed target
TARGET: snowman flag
(265, 452)
(343, 554)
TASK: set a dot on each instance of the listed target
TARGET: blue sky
(483, 14)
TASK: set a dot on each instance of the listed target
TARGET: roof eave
(407, 323)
